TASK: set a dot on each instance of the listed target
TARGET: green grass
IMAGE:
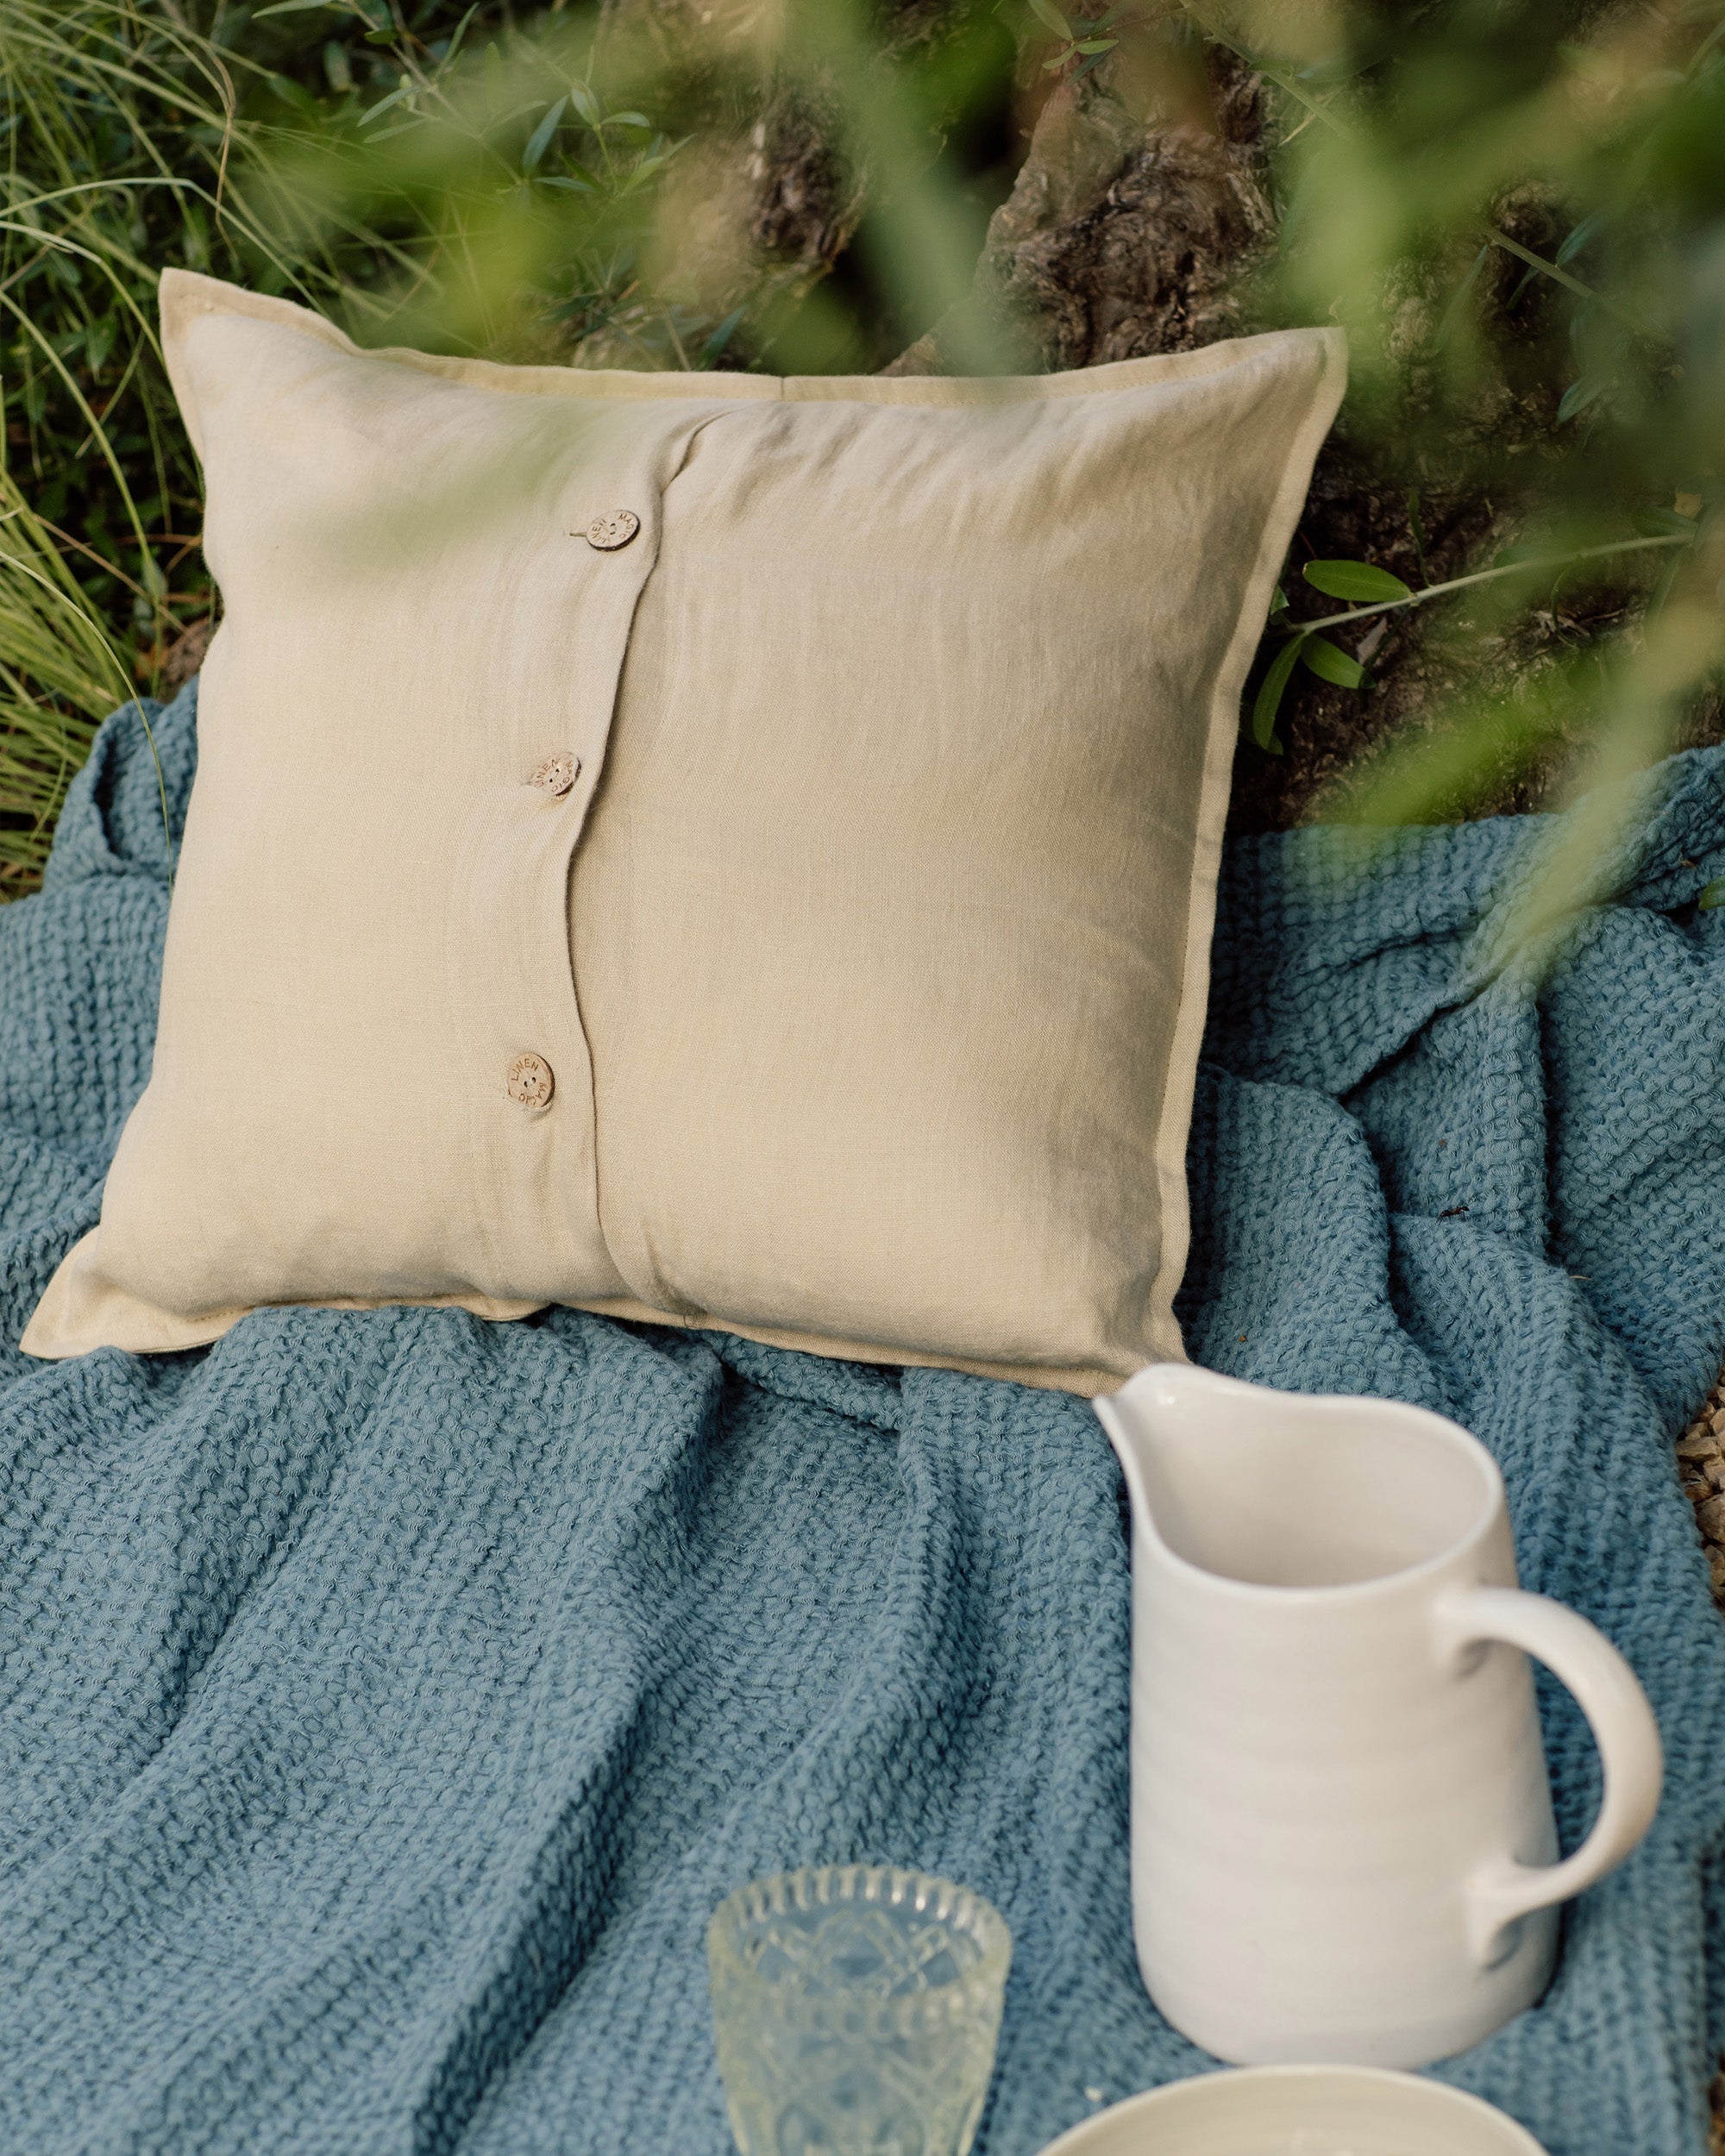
(59, 673)
(117, 128)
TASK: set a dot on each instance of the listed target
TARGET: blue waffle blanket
(386, 1699)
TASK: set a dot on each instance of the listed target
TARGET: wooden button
(609, 533)
(557, 774)
(531, 1082)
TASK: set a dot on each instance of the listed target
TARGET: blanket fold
(387, 1698)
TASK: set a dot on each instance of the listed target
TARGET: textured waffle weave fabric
(386, 1698)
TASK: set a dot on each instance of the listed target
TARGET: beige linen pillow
(708, 848)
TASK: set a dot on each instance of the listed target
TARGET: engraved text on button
(609, 533)
(556, 775)
(530, 1080)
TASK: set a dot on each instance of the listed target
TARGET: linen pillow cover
(715, 848)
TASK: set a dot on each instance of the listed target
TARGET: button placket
(510, 967)
(529, 1081)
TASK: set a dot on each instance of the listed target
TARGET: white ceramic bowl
(1300, 2111)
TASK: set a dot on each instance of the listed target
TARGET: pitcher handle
(1623, 1727)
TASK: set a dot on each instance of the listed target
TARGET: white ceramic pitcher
(1342, 1845)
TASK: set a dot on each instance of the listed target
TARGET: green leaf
(1664, 523)
(1522, 283)
(1452, 314)
(290, 93)
(540, 141)
(1355, 580)
(1427, 776)
(455, 45)
(293, 7)
(1586, 230)
(1416, 531)
(720, 337)
(1095, 44)
(627, 120)
(1330, 662)
(403, 88)
(1341, 67)
(1269, 696)
(1713, 895)
(1523, 553)
(1278, 604)
(1094, 60)
(1578, 396)
(586, 105)
(1047, 13)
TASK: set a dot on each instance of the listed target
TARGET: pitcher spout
(1170, 1426)
(1301, 1490)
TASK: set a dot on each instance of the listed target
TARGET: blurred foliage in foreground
(1516, 206)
